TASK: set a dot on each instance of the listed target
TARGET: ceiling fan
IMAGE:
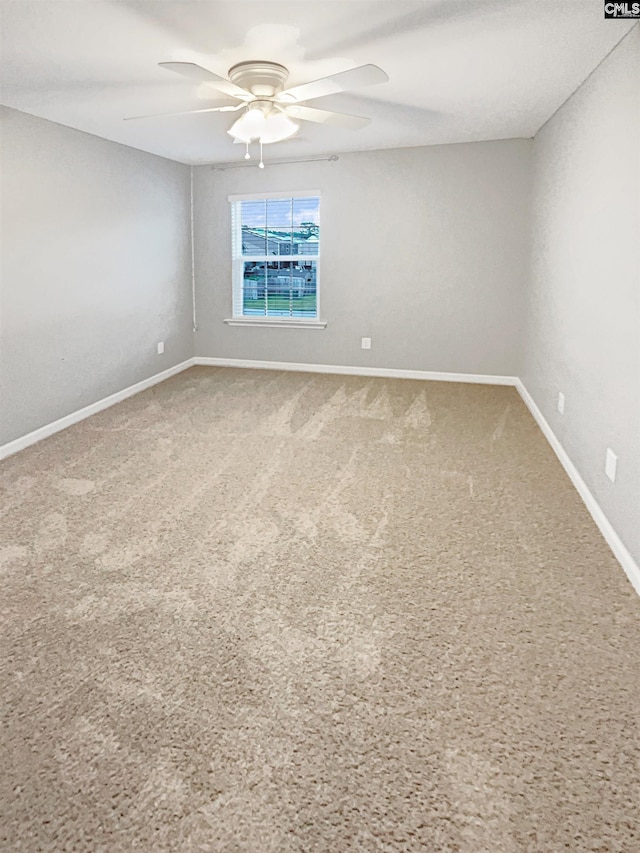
(270, 112)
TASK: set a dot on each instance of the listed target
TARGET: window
(276, 256)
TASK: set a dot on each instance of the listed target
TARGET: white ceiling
(460, 70)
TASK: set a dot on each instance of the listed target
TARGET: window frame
(238, 260)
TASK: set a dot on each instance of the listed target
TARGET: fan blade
(203, 75)
(326, 117)
(225, 109)
(364, 75)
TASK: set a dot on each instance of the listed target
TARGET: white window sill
(276, 322)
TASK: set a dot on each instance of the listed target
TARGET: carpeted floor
(253, 611)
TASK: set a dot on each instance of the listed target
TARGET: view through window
(276, 250)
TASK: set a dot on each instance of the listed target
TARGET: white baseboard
(621, 553)
(86, 412)
(383, 372)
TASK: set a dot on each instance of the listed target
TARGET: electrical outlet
(610, 465)
(561, 402)
(160, 347)
(366, 343)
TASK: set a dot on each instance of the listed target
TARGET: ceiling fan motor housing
(262, 79)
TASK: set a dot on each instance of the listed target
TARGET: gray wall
(95, 270)
(425, 250)
(583, 309)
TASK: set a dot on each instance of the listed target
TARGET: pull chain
(247, 156)
(261, 164)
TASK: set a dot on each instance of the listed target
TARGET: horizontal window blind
(285, 194)
(276, 253)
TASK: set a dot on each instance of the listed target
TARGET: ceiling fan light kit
(269, 112)
(263, 123)
(278, 127)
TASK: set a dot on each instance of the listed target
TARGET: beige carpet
(258, 611)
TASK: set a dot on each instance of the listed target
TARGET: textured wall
(424, 250)
(95, 270)
(583, 311)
